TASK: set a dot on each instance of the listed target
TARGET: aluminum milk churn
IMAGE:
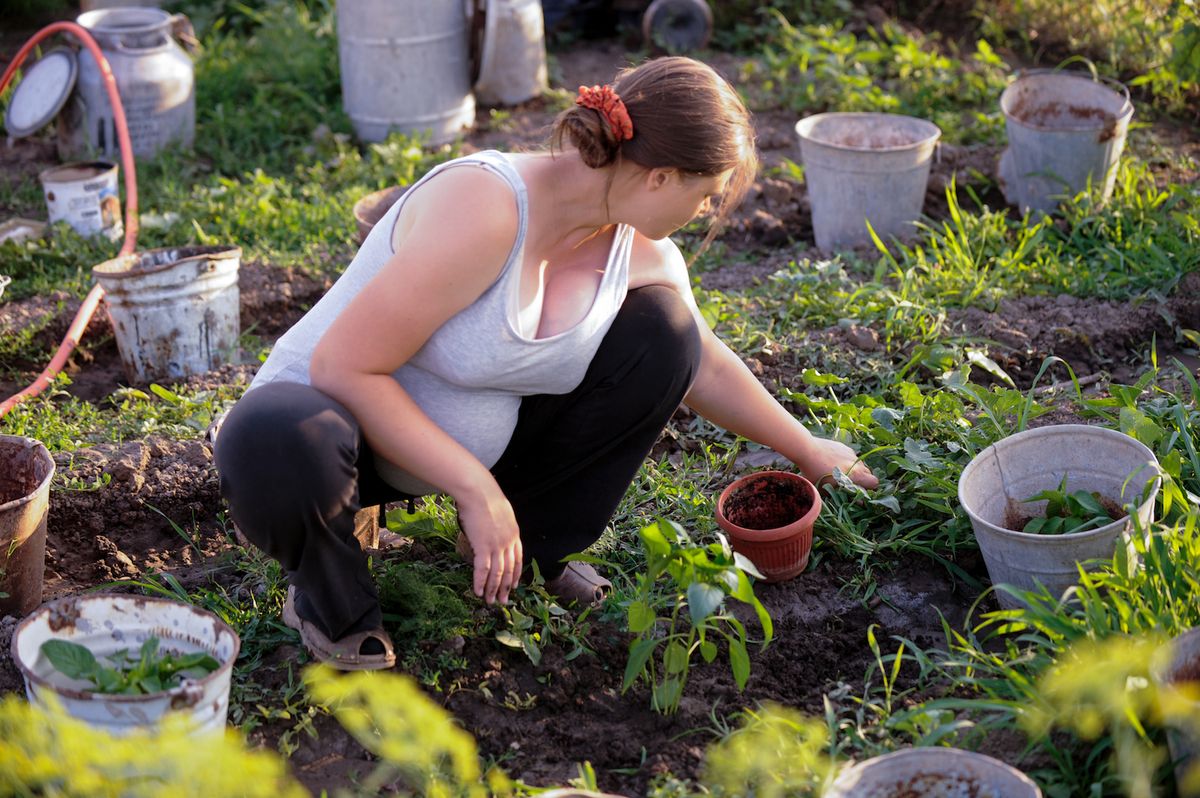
(154, 77)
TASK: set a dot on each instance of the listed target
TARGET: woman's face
(680, 198)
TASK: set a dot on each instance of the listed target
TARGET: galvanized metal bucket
(105, 624)
(513, 60)
(174, 310)
(404, 66)
(930, 772)
(155, 79)
(865, 167)
(26, 470)
(1064, 130)
(994, 485)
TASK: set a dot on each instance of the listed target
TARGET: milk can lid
(42, 93)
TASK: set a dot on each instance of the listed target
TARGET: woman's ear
(660, 177)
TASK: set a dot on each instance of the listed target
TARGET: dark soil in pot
(768, 504)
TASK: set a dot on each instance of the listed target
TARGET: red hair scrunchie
(611, 107)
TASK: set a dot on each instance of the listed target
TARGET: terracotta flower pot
(769, 518)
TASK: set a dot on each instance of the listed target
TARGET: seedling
(701, 579)
(151, 671)
(1077, 511)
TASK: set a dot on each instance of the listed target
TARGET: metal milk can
(154, 77)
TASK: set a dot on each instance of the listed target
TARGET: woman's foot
(579, 583)
(360, 651)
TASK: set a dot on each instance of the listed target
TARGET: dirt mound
(113, 509)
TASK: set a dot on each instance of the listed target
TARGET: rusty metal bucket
(174, 310)
(26, 470)
(106, 623)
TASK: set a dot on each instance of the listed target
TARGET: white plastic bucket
(85, 196)
(1064, 130)
(174, 310)
(105, 624)
(932, 772)
(513, 63)
(1181, 663)
(862, 167)
(404, 66)
(994, 485)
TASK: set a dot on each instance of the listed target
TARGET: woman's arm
(442, 264)
(728, 394)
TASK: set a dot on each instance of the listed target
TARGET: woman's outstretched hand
(827, 454)
(491, 527)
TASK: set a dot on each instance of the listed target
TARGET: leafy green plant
(150, 671)
(1076, 511)
(536, 619)
(702, 578)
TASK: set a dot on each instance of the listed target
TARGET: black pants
(295, 469)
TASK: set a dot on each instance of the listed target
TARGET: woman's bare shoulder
(658, 262)
(462, 205)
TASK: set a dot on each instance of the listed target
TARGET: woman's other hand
(491, 527)
(825, 454)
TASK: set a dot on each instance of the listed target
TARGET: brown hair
(685, 116)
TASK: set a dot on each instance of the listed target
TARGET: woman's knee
(657, 331)
(281, 441)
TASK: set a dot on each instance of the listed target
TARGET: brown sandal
(579, 582)
(344, 654)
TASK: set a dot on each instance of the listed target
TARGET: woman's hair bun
(585, 130)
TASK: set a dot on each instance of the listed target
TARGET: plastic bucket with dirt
(106, 624)
(26, 470)
(932, 772)
(1065, 131)
(174, 310)
(85, 196)
(994, 486)
(865, 167)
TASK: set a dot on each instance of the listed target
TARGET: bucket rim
(803, 130)
(105, 167)
(939, 751)
(44, 484)
(116, 268)
(1066, 537)
(32, 677)
(89, 19)
(1122, 115)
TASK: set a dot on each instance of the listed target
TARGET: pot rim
(44, 485)
(777, 533)
(220, 627)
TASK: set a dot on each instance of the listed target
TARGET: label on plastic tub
(85, 196)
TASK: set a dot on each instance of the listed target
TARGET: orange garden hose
(92, 301)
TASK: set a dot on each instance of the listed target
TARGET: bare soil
(539, 721)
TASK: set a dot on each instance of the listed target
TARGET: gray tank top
(470, 375)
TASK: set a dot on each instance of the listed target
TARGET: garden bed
(136, 498)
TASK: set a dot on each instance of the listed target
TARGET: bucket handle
(182, 30)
